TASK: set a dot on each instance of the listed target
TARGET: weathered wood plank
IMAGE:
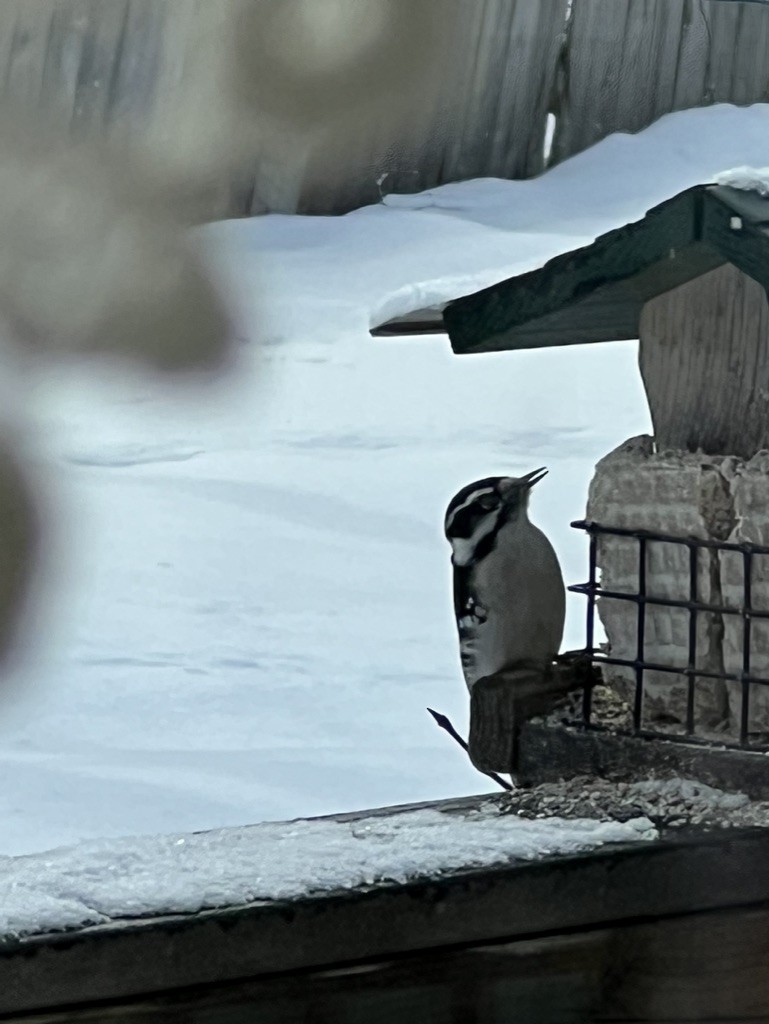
(694, 968)
(550, 753)
(502, 703)
(83, 62)
(738, 41)
(628, 63)
(615, 51)
(138, 57)
(98, 55)
(483, 113)
(704, 359)
(26, 26)
(555, 980)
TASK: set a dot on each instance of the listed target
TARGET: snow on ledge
(747, 179)
(99, 881)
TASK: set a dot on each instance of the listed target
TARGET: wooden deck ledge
(158, 958)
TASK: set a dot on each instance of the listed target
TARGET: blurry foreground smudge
(310, 62)
(95, 255)
(93, 262)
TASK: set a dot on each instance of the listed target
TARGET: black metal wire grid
(593, 590)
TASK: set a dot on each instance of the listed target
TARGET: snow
(99, 881)
(747, 179)
(417, 251)
(250, 591)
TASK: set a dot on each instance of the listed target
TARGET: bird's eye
(488, 502)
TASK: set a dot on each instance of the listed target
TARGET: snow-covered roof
(527, 223)
(747, 179)
(596, 292)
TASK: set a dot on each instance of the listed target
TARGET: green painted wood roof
(596, 293)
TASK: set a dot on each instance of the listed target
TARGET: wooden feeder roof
(596, 293)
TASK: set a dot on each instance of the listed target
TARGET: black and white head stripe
(465, 506)
(477, 513)
(473, 519)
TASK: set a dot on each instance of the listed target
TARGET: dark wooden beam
(488, 319)
(701, 967)
(510, 902)
(418, 322)
(549, 753)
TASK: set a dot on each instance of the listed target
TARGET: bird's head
(477, 513)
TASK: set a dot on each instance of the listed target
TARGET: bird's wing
(461, 591)
(468, 612)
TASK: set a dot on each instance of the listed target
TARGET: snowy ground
(253, 590)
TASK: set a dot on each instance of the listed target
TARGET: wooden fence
(510, 67)
(627, 63)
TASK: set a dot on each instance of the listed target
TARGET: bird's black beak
(534, 476)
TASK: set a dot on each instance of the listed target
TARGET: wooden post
(704, 358)
(501, 703)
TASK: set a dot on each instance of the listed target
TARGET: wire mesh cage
(694, 668)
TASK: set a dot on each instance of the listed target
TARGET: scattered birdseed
(607, 707)
(670, 802)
